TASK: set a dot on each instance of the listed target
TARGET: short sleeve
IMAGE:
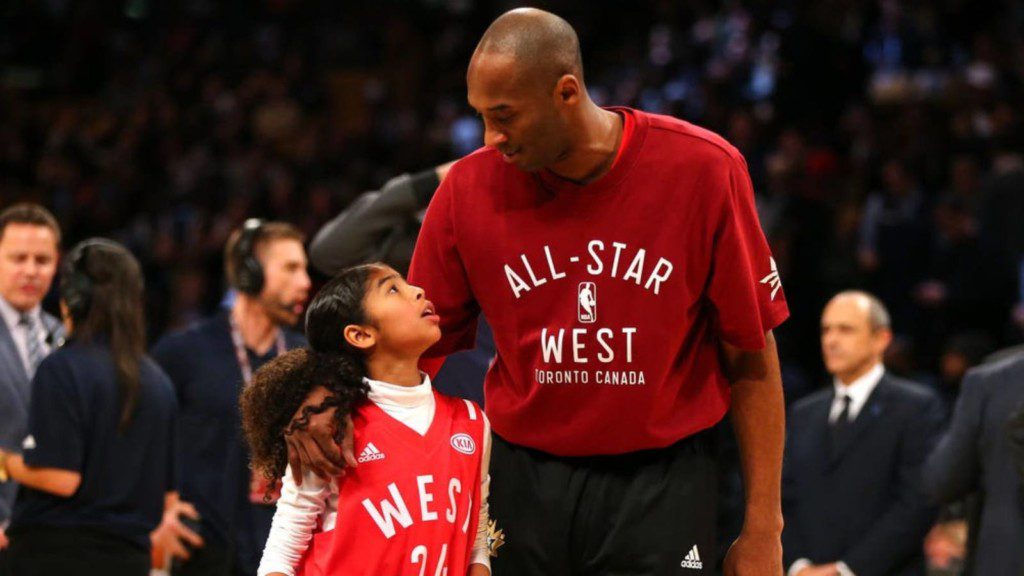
(56, 426)
(745, 288)
(437, 267)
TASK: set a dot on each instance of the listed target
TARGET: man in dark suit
(981, 453)
(29, 240)
(852, 499)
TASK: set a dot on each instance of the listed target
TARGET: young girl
(416, 504)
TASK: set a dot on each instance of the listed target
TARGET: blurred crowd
(884, 138)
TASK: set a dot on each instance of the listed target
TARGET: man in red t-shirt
(632, 294)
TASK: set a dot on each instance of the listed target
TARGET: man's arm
(55, 481)
(365, 231)
(951, 471)
(759, 420)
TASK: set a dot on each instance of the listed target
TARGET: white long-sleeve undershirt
(301, 508)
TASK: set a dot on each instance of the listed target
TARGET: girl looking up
(417, 502)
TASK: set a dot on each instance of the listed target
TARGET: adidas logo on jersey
(692, 560)
(370, 453)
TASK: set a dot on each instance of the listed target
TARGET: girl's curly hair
(281, 386)
(277, 391)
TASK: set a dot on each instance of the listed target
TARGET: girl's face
(401, 319)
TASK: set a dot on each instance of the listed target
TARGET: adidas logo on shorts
(692, 560)
(370, 453)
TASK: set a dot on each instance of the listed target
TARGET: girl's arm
(480, 561)
(56, 481)
(298, 510)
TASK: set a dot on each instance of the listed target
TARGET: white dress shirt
(859, 391)
(12, 317)
(301, 507)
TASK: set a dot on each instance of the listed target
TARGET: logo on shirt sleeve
(587, 302)
(772, 279)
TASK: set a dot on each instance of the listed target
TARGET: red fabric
(411, 534)
(667, 244)
(628, 122)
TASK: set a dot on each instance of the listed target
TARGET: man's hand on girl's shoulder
(311, 441)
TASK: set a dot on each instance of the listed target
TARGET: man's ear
(360, 337)
(567, 90)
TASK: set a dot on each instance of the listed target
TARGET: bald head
(855, 331)
(544, 45)
(877, 314)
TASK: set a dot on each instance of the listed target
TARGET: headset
(248, 271)
(76, 287)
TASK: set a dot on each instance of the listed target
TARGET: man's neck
(12, 312)
(849, 378)
(258, 329)
(595, 146)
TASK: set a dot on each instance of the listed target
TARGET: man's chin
(286, 319)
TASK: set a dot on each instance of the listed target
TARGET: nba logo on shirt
(587, 302)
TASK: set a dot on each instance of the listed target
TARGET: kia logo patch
(464, 443)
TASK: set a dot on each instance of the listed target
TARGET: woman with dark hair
(98, 464)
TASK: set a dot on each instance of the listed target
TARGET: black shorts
(645, 513)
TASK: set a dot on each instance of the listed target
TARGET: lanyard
(242, 356)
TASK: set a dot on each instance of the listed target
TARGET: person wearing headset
(221, 524)
(98, 463)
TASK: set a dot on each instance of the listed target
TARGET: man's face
(521, 115)
(28, 262)
(849, 345)
(286, 282)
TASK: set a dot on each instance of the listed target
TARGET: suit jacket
(863, 502)
(15, 393)
(977, 453)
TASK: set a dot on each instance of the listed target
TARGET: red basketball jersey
(412, 505)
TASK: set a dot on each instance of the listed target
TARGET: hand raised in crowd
(172, 534)
(756, 554)
(312, 444)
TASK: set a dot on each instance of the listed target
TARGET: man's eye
(393, 289)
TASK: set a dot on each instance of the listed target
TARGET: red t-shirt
(412, 505)
(607, 301)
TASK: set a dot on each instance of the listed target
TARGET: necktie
(32, 344)
(841, 426)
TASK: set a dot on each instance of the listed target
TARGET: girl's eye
(393, 289)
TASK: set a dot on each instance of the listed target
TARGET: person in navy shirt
(209, 364)
(98, 465)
